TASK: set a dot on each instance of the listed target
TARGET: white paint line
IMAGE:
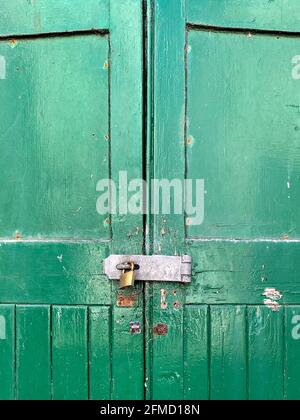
(2, 67)
(2, 328)
(245, 241)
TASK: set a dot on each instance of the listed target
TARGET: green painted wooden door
(226, 111)
(221, 105)
(70, 115)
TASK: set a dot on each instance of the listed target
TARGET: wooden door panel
(226, 111)
(52, 352)
(280, 15)
(71, 85)
(23, 17)
(243, 125)
(55, 137)
(232, 352)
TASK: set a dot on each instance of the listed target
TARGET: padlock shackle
(128, 266)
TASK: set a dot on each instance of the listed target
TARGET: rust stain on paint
(135, 327)
(160, 330)
(127, 301)
(163, 299)
(177, 305)
(13, 43)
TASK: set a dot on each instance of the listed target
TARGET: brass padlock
(127, 277)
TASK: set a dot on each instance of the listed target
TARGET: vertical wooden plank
(196, 354)
(7, 352)
(99, 353)
(33, 353)
(126, 37)
(169, 163)
(168, 346)
(228, 353)
(265, 353)
(292, 349)
(70, 353)
(128, 355)
(169, 117)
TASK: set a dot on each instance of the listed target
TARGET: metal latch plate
(152, 268)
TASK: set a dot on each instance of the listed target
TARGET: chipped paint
(271, 304)
(13, 43)
(18, 236)
(273, 297)
(190, 140)
(272, 293)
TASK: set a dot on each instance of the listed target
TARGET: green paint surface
(33, 352)
(70, 353)
(221, 105)
(240, 135)
(21, 17)
(53, 130)
(73, 114)
(281, 15)
(247, 155)
(7, 352)
(99, 352)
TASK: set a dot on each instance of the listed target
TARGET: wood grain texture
(168, 349)
(127, 355)
(126, 72)
(100, 353)
(72, 99)
(266, 354)
(54, 147)
(24, 17)
(70, 353)
(127, 116)
(196, 353)
(7, 352)
(280, 15)
(236, 86)
(228, 376)
(239, 272)
(169, 119)
(291, 353)
(167, 230)
(33, 353)
(54, 273)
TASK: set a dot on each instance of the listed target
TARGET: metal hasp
(152, 268)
